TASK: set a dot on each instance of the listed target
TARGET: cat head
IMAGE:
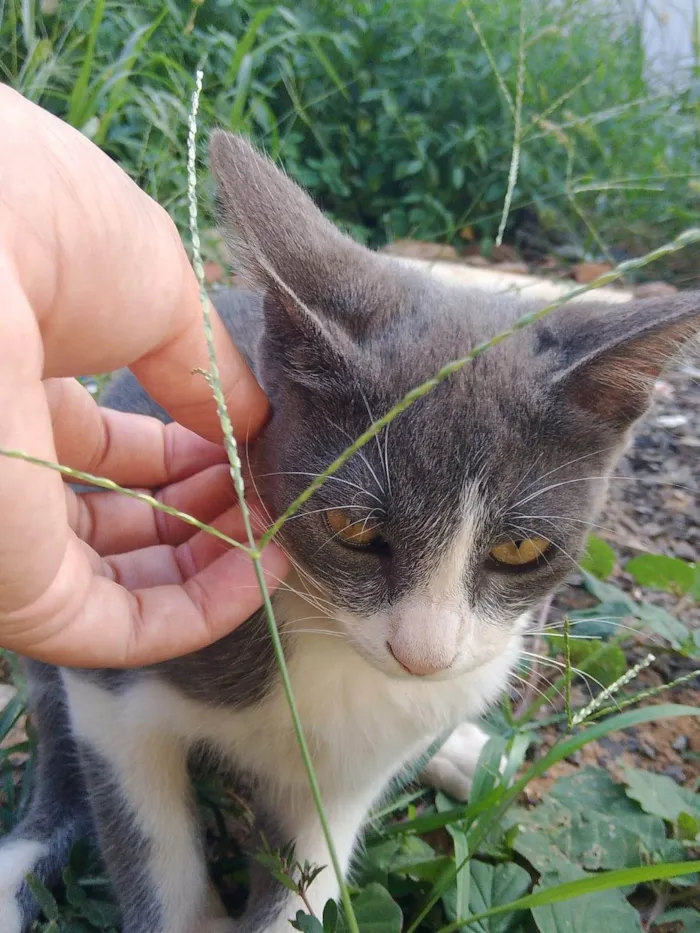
(440, 535)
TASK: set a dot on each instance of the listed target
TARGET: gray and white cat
(415, 567)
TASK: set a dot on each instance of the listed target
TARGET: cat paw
(452, 768)
(17, 858)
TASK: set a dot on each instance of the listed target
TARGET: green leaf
(376, 911)
(330, 917)
(606, 663)
(599, 622)
(493, 885)
(688, 826)
(79, 94)
(487, 771)
(694, 590)
(590, 884)
(461, 856)
(663, 623)
(607, 592)
(599, 558)
(100, 913)
(553, 836)
(306, 923)
(688, 916)
(593, 788)
(498, 800)
(599, 911)
(659, 572)
(660, 795)
(43, 897)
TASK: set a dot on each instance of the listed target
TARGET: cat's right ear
(611, 357)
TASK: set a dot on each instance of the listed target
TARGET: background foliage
(396, 114)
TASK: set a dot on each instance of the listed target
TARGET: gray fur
(337, 335)
(59, 814)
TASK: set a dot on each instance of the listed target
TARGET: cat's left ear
(611, 356)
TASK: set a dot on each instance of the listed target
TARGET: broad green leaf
(659, 572)
(663, 623)
(599, 558)
(393, 855)
(660, 795)
(593, 788)
(606, 663)
(607, 592)
(590, 884)
(688, 826)
(599, 911)
(376, 911)
(553, 835)
(599, 622)
(493, 885)
(688, 916)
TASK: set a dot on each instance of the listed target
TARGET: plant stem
(103, 483)
(214, 380)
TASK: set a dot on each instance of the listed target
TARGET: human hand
(93, 277)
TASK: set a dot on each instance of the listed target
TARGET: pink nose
(419, 667)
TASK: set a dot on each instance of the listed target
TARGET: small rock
(647, 750)
(651, 529)
(585, 272)
(684, 550)
(654, 290)
(476, 260)
(575, 759)
(671, 421)
(676, 773)
(689, 441)
(680, 744)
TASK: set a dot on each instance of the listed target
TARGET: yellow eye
(361, 532)
(520, 553)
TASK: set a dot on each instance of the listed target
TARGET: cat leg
(57, 816)
(452, 768)
(136, 770)
(271, 906)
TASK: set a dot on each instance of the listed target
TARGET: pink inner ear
(616, 385)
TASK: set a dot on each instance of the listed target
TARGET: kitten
(416, 566)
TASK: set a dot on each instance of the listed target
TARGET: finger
(32, 503)
(112, 523)
(132, 450)
(167, 374)
(107, 275)
(95, 622)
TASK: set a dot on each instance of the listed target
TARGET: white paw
(452, 768)
(17, 858)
